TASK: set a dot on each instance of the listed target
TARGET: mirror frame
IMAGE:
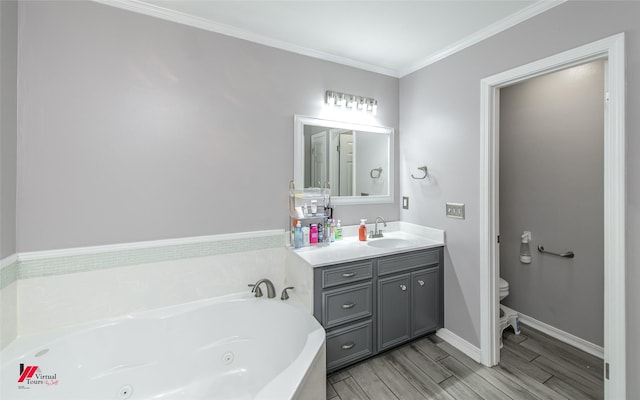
(298, 156)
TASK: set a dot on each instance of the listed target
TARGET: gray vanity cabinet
(425, 301)
(372, 305)
(394, 310)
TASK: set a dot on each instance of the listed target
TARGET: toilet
(508, 317)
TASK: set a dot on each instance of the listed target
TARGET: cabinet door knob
(348, 346)
(420, 282)
(348, 305)
(403, 287)
(349, 274)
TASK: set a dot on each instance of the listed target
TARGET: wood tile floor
(533, 366)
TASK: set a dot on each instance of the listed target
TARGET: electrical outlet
(455, 210)
(405, 202)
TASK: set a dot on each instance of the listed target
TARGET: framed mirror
(355, 161)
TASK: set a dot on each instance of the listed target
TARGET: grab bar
(567, 254)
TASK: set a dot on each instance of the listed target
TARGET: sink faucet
(271, 290)
(378, 233)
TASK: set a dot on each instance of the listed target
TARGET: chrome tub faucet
(271, 290)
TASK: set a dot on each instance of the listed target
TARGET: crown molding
(152, 10)
(485, 33)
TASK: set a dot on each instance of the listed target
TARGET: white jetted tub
(231, 347)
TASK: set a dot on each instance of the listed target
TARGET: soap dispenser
(362, 231)
(525, 251)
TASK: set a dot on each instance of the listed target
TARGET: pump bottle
(362, 231)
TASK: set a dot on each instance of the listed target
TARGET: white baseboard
(563, 336)
(459, 343)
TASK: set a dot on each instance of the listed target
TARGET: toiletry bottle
(321, 234)
(298, 236)
(332, 230)
(293, 233)
(362, 231)
(313, 234)
(305, 236)
(338, 231)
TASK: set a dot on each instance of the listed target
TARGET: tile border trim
(82, 259)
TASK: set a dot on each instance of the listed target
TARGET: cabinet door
(425, 301)
(393, 310)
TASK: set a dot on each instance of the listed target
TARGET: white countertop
(414, 237)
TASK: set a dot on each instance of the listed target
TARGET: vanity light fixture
(350, 101)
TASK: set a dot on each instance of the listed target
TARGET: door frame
(611, 49)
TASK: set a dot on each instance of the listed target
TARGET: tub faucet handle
(285, 295)
(256, 290)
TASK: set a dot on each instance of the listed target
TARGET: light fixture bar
(351, 101)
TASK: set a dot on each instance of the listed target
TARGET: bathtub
(231, 347)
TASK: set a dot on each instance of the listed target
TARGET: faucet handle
(256, 290)
(285, 295)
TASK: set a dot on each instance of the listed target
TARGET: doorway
(551, 186)
(612, 50)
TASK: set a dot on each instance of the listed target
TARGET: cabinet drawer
(349, 344)
(354, 272)
(346, 304)
(405, 262)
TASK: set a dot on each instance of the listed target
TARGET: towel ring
(375, 176)
(423, 169)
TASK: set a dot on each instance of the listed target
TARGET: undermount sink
(389, 243)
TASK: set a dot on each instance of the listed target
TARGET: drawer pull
(348, 346)
(420, 282)
(349, 274)
(403, 287)
(348, 305)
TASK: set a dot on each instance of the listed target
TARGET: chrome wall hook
(424, 170)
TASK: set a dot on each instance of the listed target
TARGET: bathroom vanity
(375, 295)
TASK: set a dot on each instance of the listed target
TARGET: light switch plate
(455, 210)
(405, 202)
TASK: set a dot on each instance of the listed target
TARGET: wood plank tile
(459, 390)
(571, 375)
(498, 380)
(426, 364)
(509, 336)
(338, 376)
(331, 392)
(429, 348)
(370, 383)
(510, 360)
(535, 387)
(568, 390)
(473, 380)
(416, 376)
(348, 389)
(520, 350)
(398, 384)
(435, 339)
(576, 356)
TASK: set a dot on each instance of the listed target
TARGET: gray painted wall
(551, 183)
(133, 128)
(8, 128)
(440, 126)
